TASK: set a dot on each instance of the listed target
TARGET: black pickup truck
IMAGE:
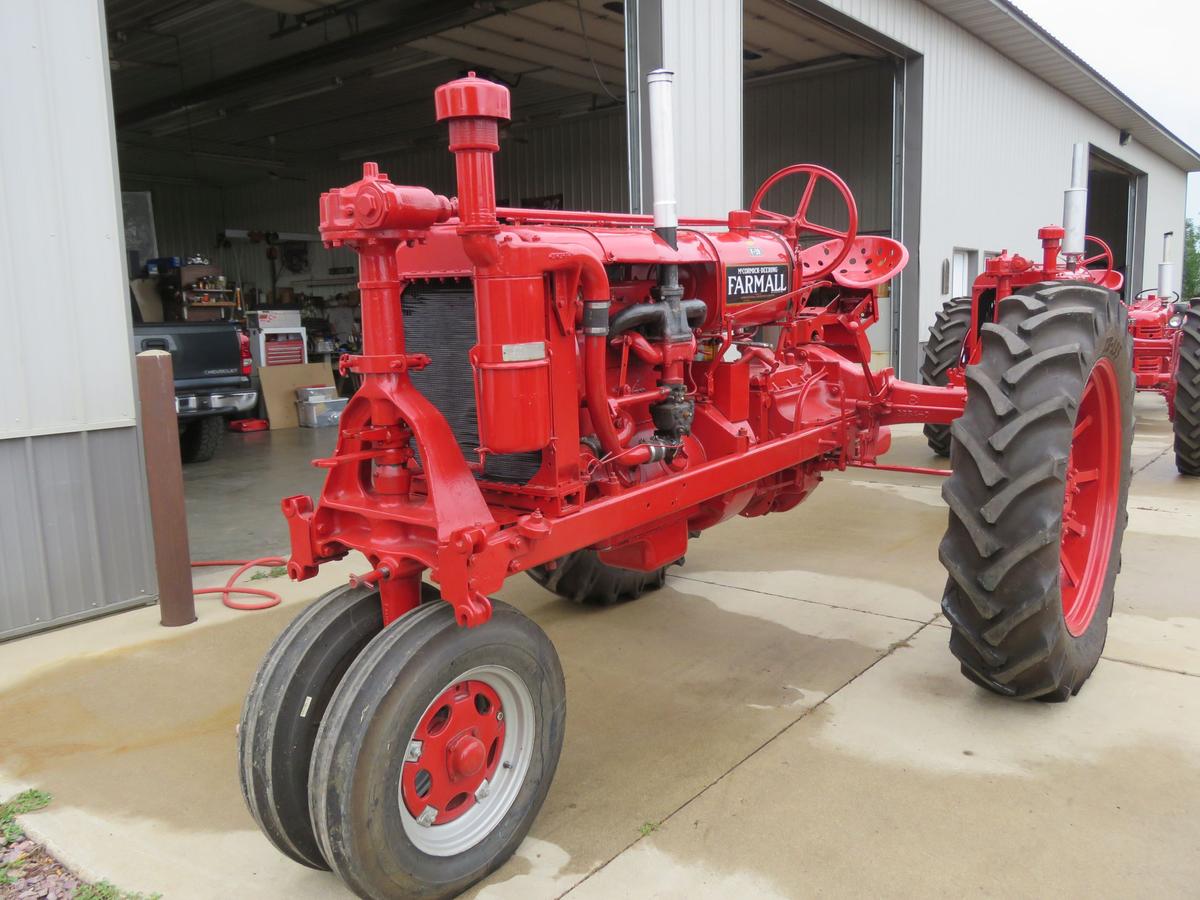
(211, 361)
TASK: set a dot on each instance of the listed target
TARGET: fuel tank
(727, 269)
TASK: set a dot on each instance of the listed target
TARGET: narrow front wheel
(284, 708)
(286, 703)
(436, 752)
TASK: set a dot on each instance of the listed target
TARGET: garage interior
(1113, 213)
(234, 115)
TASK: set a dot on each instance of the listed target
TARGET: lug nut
(428, 814)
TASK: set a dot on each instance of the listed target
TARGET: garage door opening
(233, 116)
(1113, 216)
(815, 93)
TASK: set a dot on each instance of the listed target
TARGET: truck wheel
(286, 703)
(436, 752)
(942, 353)
(583, 578)
(201, 438)
(1037, 497)
(1187, 395)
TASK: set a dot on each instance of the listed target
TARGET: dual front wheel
(411, 759)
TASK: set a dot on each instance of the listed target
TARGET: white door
(960, 273)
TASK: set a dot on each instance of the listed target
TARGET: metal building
(73, 514)
(231, 115)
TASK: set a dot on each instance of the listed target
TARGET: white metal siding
(62, 284)
(702, 45)
(996, 148)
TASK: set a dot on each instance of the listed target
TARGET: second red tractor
(1165, 333)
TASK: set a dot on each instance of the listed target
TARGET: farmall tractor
(1166, 361)
(574, 396)
(1165, 331)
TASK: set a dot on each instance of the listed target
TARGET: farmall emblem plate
(744, 283)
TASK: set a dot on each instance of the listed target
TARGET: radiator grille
(439, 321)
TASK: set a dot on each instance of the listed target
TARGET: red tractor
(575, 395)
(1166, 360)
(1165, 335)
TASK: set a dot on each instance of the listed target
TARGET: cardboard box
(279, 384)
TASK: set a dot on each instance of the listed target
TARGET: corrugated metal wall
(841, 119)
(74, 528)
(74, 539)
(996, 147)
(582, 158)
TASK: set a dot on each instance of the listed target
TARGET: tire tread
(942, 351)
(1009, 463)
(1187, 394)
(584, 578)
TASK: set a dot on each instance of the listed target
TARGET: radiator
(439, 321)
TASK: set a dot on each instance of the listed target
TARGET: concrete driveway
(784, 719)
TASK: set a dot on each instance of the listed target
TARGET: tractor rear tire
(1187, 394)
(201, 438)
(583, 578)
(942, 352)
(1041, 469)
(285, 705)
(427, 710)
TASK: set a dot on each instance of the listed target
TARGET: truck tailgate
(201, 352)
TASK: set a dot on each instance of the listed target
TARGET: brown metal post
(164, 477)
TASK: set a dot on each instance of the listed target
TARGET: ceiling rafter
(430, 17)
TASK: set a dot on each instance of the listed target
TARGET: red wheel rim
(455, 748)
(1090, 504)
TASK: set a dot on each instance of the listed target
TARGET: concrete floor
(782, 720)
(233, 499)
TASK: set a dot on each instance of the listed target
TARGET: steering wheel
(1108, 276)
(798, 224)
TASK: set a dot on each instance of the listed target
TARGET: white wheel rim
(481, 819)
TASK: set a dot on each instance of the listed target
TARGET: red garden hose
(273, 599)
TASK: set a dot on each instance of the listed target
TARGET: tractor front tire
(436, 752)
(1041, 469)
(1187, 394)
(942, 353)
(286, 703)
(583, 578)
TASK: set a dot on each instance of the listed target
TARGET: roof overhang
(1013, 33)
